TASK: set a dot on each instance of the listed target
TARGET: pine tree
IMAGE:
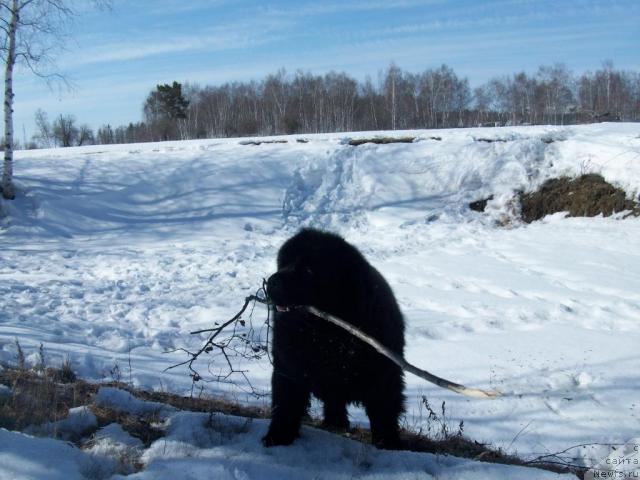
(164, 108)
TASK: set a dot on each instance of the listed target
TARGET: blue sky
(116, 58)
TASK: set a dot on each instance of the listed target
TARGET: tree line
(336, 102)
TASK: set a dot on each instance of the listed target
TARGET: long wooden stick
(401, 362)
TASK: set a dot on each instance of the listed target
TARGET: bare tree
(85, 135)
(482, 103)
(276, 95)
(44, 134)
(31, 31)
(556, 85)
(371, 107)
(106, 135)
(393, 76)
(65, 131)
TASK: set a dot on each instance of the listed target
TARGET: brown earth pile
(585, 196)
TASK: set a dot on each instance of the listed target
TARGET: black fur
(312, 356)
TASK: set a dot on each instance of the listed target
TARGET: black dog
(312, 356)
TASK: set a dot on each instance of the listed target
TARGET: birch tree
(44, 132)
(392, 77)
(31, 32)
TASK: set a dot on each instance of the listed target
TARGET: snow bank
(227, 447)
(123, 401)
(28, 458)
(78, 422)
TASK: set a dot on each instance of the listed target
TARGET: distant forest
(302, 103)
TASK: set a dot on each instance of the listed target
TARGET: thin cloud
(171, 7)
(459, 21)
(244, 35)
(327, 8)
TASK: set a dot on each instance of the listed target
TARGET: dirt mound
(355, 142)
(585, 196)
(480, 205)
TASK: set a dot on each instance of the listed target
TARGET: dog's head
(314, 268)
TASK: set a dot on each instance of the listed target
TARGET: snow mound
(78, 422)
(124, 402)
(27, 458)
(228, 447)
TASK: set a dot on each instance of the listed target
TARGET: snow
(111, 255)
(27, 458)
(79, 421)
(5, 392)
(125, 402)
(236, 453)
(198, 445)
(118, 450)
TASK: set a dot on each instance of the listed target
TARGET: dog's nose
(274, 285)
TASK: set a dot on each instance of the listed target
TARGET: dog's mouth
(280, 308)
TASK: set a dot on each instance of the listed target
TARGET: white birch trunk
(8, 191)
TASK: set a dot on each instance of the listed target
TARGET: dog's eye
(308, 271)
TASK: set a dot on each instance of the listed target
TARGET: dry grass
(44, 396)
(40, 396)
(480, 205)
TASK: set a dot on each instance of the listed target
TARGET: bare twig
(518, 434)
(228, 347)
(560, 458)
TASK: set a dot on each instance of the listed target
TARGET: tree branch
(259, 349)
(228, 347)
(398, 360)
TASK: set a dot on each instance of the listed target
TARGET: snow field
(111, 255)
